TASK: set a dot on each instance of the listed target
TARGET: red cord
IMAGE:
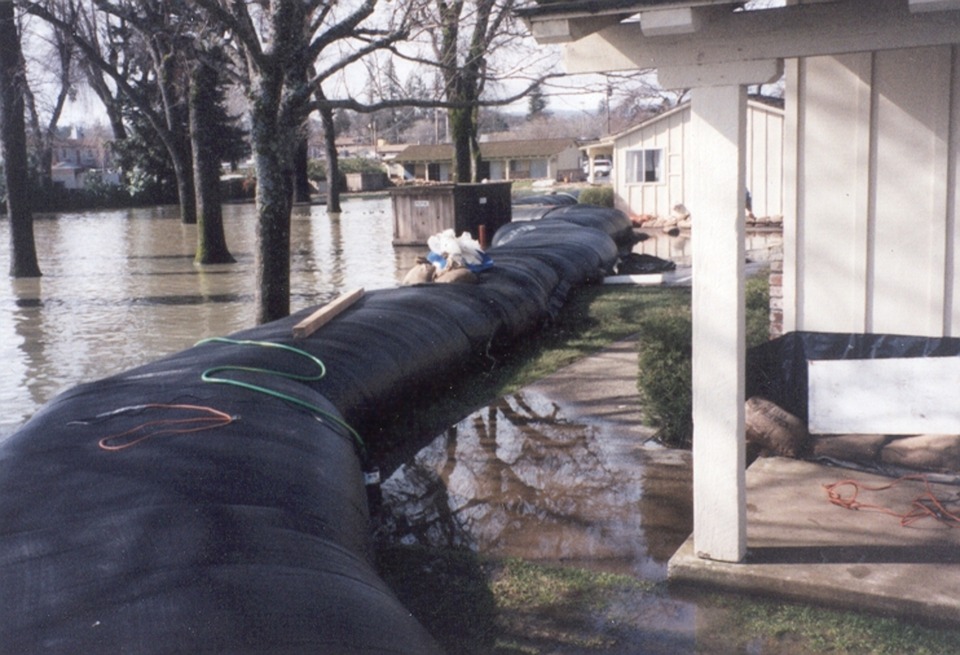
(926, 505)
(211, 418)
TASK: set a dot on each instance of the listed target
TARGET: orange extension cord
(209, 418)
(926, 505)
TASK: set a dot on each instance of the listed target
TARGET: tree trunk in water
(466, 148)
(13, 142)
(301, 181)
(273, 230)
(211, 241)
(333, 166)
(183, 170)
(273, 147)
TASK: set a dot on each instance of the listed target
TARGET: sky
(575, 93)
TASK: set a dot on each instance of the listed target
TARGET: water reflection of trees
(518, 479)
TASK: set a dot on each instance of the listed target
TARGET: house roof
(520, 149)
(753, 104)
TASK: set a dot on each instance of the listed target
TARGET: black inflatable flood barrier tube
(154, 512)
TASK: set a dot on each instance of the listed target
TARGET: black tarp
(777, 370)
(235, 518)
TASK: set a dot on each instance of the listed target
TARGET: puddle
(527, 478)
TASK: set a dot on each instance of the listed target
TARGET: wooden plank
(913, 395)
(325, 314)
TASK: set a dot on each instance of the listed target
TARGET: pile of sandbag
(452, 259)
(776, 416)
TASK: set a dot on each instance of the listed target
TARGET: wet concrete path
(562, 471)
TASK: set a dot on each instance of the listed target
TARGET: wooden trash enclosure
(419, 212)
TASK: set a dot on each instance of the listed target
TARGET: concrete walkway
(800, 546)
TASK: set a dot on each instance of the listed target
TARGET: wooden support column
(718, 249)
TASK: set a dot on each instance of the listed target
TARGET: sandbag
(926, 452)
(775, 431)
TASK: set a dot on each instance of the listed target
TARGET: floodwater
(119, 288)
(528, 477)
(760, 244)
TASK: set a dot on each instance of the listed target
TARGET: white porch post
(718, 249)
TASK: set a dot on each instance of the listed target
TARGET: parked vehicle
(602, 165)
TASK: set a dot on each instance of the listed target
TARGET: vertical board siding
(765, 160)
(833, 276)
(912, 93)
(875, 193)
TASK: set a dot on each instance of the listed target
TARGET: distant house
(79, 153)
(652, 162)
(553, 159)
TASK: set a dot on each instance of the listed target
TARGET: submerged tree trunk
(211, 241)
(13, 142)
(301, 180)
(273, 147)
(333, 162)
(273, 230)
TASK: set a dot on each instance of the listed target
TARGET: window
(645, 165)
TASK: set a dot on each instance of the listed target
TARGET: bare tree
(150, 32)
(59, 60)
(94, 28)
(157, 54)
(13, 143)
(283, 51)
(469, 42)
(464, 70)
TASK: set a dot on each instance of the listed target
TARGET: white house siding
(765, 159)
(671, 133)
(875, 145)
(668, 132)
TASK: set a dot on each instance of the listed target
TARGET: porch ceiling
(612, 35)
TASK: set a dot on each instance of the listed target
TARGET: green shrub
(664, 379)
(601, 196)
(757, 292)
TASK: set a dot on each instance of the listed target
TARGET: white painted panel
(834, 140)
(884, 396)
(912, 93)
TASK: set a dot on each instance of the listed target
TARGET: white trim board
(912, 395)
